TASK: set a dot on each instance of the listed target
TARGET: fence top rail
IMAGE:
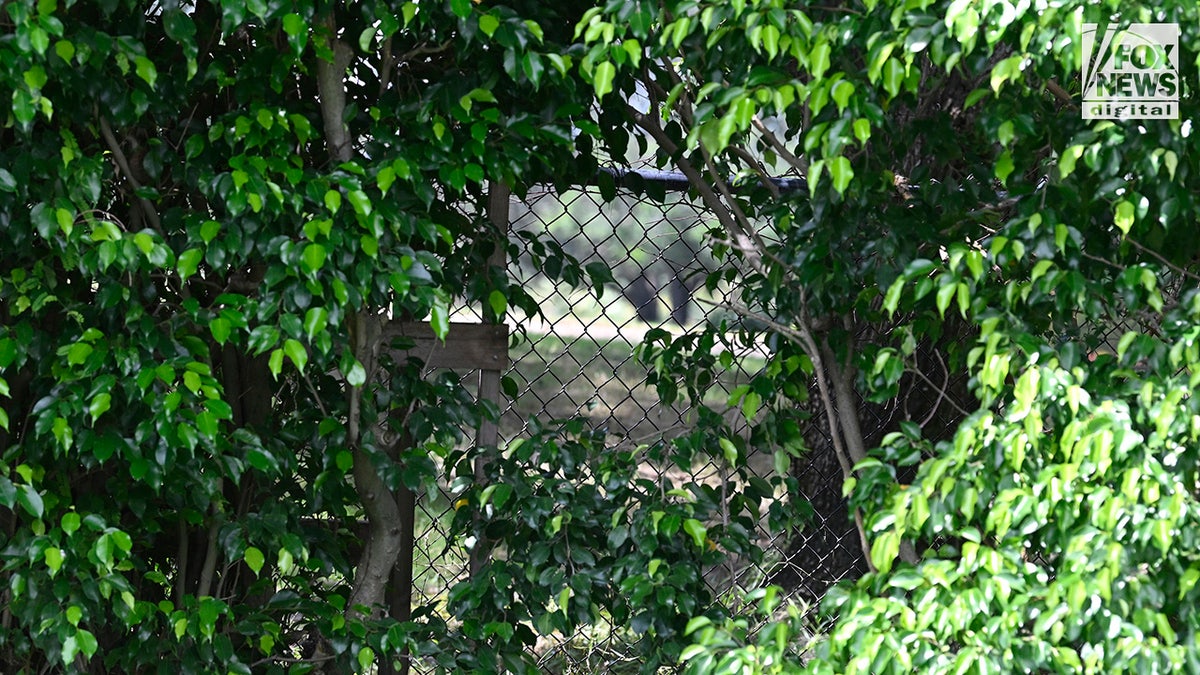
(674, 180)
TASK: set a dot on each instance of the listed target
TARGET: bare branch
(797, 163)
(942, 395)
(758, 168)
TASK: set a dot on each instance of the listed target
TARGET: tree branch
(123, 163)
(797, 163)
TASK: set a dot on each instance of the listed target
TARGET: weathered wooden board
(469, 346)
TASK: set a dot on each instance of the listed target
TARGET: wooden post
(482, 347)
(488, 434)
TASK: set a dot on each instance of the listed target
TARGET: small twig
(290, 659)
(843, 10)
(994, 208)
(1157, 256)
(316, 396)
(942, 395)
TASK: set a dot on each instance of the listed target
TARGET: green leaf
(313, 257)
(78, 353)
(146, 70)
(99, 405)
(209, 231)
(220, 329)
(144, 242)
(87, 643)
(945, 294)
(1123, 217)
(498, 303)
(39, 39)
(333, 201)
(366, 655)
(818, 60)
(357, 375)
(439, 319)
(254, 559)
(750, 405)
(385, 178)
(316, 319)
(862, 130)
(884, 551)
(275, 363)
(488, 24)
(54, 559)
(70, 649)
(65, 49)
(841, 172)
(602, 78)
(30, 500)
(296, 352)
(1066, 161)
(360, 201)
(891, 299)
(188, 262)
(1005, 133)
(63, 433)
(22, 106)
(893, 76)
(1004, 166)
(564, 599)
(728, 449)
(70, 522)
(696, 529)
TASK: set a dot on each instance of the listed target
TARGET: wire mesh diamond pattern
(578, 360)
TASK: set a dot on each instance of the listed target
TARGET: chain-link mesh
(578, 360)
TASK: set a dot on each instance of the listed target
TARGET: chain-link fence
(578, 360)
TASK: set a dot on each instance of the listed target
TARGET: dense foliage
(954, 190)
(209, 208)
(206, 207)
